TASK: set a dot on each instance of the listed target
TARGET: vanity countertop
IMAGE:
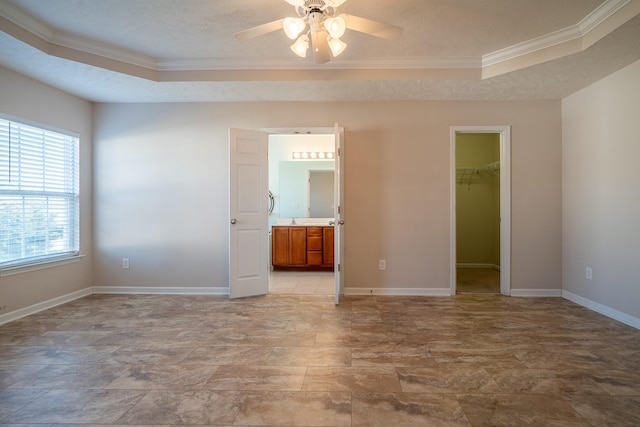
(304, 222)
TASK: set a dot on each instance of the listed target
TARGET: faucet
(293, 220)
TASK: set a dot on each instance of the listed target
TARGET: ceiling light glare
(335, 26)
(293, 27)
(300, 46)
(337, 46)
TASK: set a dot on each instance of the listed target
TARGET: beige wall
(601, 206)
(24, 98)
(161, 188)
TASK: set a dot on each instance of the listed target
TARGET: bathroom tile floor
(291, 360)
(301, 282)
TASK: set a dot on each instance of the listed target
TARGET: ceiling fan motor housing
(315, 6)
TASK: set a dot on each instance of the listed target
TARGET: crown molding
(204, 64)
(57, 38)
(103, 50)
(589, 23)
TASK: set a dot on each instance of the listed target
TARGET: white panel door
(338, 235)
(248, 229)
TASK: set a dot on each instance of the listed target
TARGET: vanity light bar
(306, 155)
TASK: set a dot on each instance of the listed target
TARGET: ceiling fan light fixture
(335, 26)
(300, 46)
(337, 46)
(293, 27)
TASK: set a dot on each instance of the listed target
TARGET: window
(39, 196)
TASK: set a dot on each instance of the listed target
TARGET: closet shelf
(470, 175)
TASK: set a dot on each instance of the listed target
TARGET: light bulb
(300, 46)
(337, 46)
(293, 27)
(335, 26)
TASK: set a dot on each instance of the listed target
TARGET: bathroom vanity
(302, 247)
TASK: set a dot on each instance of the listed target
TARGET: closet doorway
(480, 213)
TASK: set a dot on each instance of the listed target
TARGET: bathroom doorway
(480, 211)
(301, 180)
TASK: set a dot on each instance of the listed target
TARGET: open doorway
(301, 180)
(480, 213)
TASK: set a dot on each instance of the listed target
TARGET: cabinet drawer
(314, 258)
(314, 231)
(314, 243)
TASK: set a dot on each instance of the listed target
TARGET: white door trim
(505, 202)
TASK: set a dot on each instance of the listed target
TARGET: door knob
(341, 222)
(233, 220)
(332, 222)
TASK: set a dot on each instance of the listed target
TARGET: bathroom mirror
(306, 189)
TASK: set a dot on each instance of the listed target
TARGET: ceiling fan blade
(374, 28)
(260, 30)
(320, 47)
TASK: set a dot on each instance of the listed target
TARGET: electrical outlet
(125, 263)
(589, 273)
(382, 264)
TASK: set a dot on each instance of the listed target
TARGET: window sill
(40, 265)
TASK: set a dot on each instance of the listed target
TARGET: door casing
(505, 202)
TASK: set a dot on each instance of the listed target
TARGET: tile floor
(477, 281)
(301, 282)
(290, 360)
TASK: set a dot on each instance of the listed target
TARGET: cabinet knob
(233, 220)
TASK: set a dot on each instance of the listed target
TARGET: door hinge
(338, 151)
(338, 267)
(338, 209)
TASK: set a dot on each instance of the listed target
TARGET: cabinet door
(297, 245)
(327, 245)
(280, 245)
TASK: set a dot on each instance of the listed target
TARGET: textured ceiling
(184, 50)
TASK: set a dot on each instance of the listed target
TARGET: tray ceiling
(184, 50)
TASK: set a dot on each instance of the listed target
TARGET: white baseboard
(44, 305)
(536, 292)
(162, 290)
(603, 309)
(424, 292)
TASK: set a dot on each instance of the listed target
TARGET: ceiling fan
(319, 26)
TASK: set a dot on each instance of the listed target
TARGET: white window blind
(39, 195)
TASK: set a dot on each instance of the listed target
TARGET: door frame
(505, 202)
(338, 133)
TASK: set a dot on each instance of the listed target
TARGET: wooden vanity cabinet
(314, 245)
(302, 248)
(288, 246)
(327, 246)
